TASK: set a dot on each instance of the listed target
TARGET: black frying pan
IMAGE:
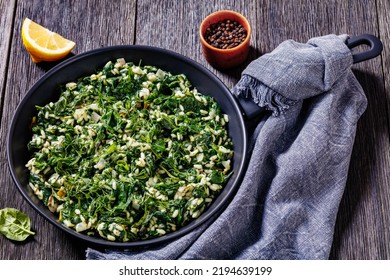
(47, 89)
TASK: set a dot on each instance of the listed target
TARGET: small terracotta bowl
(225, 58)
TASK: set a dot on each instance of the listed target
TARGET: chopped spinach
(129, 153)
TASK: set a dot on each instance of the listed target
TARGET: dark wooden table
(363, 225)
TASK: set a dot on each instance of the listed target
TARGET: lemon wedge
(43, 44)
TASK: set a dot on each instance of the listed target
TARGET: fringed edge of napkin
(262, 95)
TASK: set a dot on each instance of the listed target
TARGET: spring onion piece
(129, 153)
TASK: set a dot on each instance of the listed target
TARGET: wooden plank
(384, 33)
(7, 9)
(91, 25)
(357, 234)
(362, 229)
(274, 22)
(371, 177)
(174, 25)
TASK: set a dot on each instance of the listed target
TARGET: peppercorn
(225, 34)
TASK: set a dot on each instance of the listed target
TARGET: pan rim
(99, 242)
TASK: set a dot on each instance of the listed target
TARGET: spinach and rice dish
(129, 153)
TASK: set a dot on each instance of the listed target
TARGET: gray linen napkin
(287, 204)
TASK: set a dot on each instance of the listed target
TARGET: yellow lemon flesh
(43, 44)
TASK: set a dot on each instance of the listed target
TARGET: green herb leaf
(14, 224)
(129, 153)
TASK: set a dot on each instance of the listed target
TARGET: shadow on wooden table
(235, 73)
(356, 203)
(48, 65)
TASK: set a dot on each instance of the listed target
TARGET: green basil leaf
(14, 224)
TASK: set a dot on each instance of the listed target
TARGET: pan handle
(249, 107)
(375, 44)
(252, 110)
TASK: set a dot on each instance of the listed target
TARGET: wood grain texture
(384, 33)
(87, 24)
(6, 14)
(177, 28)
(367, 190)
(362, 229)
